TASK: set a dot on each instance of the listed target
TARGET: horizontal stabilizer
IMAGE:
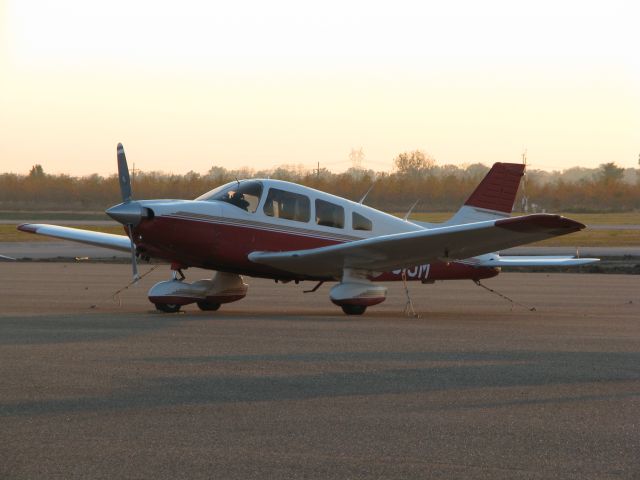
(494, 260)
(98, 239)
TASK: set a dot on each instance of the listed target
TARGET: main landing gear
(356, 292)
(208, 306)
(354, 309)
(171, 295)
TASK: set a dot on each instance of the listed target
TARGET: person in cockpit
(237, 199)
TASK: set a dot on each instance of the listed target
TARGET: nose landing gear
(169, 296)
(168, 307)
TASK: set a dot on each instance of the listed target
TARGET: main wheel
(168, 307)
(354, 309)
(208, 306)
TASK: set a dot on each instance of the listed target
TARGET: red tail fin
(498, 189)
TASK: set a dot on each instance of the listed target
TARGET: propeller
(128, 213)
(123, 175)
(134, 261)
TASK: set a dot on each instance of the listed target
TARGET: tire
(168, 307)
(354, 309)
(208, 306)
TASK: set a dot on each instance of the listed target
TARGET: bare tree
(412, 163)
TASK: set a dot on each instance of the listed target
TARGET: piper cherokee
(288, 232)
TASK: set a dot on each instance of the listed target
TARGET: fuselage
(219, 229)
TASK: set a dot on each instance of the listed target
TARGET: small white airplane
(285, 231)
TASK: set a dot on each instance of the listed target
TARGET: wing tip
(540, 220)
(28, 228)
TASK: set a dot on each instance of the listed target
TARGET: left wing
(401, 250)
(98, 239)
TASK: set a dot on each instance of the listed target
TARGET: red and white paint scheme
(285, 231)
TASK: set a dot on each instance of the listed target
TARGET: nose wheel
(167, 307)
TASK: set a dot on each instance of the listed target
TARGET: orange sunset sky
(187, 84)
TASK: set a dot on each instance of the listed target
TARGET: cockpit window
(287, 205)
(245, 194)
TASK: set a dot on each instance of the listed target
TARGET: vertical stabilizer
(493, 198)
(498, 189)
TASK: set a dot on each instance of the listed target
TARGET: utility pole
(356, 157)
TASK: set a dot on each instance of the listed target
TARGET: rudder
(498, 189)
(492, 199)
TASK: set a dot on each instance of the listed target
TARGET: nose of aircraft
(129, 213)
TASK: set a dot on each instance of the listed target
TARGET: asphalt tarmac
(282, 385)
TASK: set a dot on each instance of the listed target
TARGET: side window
(287, 205)
(329, 214)
(361, 223)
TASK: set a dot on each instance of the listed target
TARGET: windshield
(245, 194)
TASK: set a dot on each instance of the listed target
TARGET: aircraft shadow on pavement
(71, 328)
(499, 370)
(95, 326)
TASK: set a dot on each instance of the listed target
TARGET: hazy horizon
(189, 85)
(299, 169)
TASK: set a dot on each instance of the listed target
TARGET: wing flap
(403, 250)
(98, 239)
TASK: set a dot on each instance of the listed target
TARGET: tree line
(417, 177)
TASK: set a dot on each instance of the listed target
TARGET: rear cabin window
(287, 205)
(329, 214)
(361, 223)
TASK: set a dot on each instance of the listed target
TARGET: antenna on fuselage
(406, 216)
(367, 193)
